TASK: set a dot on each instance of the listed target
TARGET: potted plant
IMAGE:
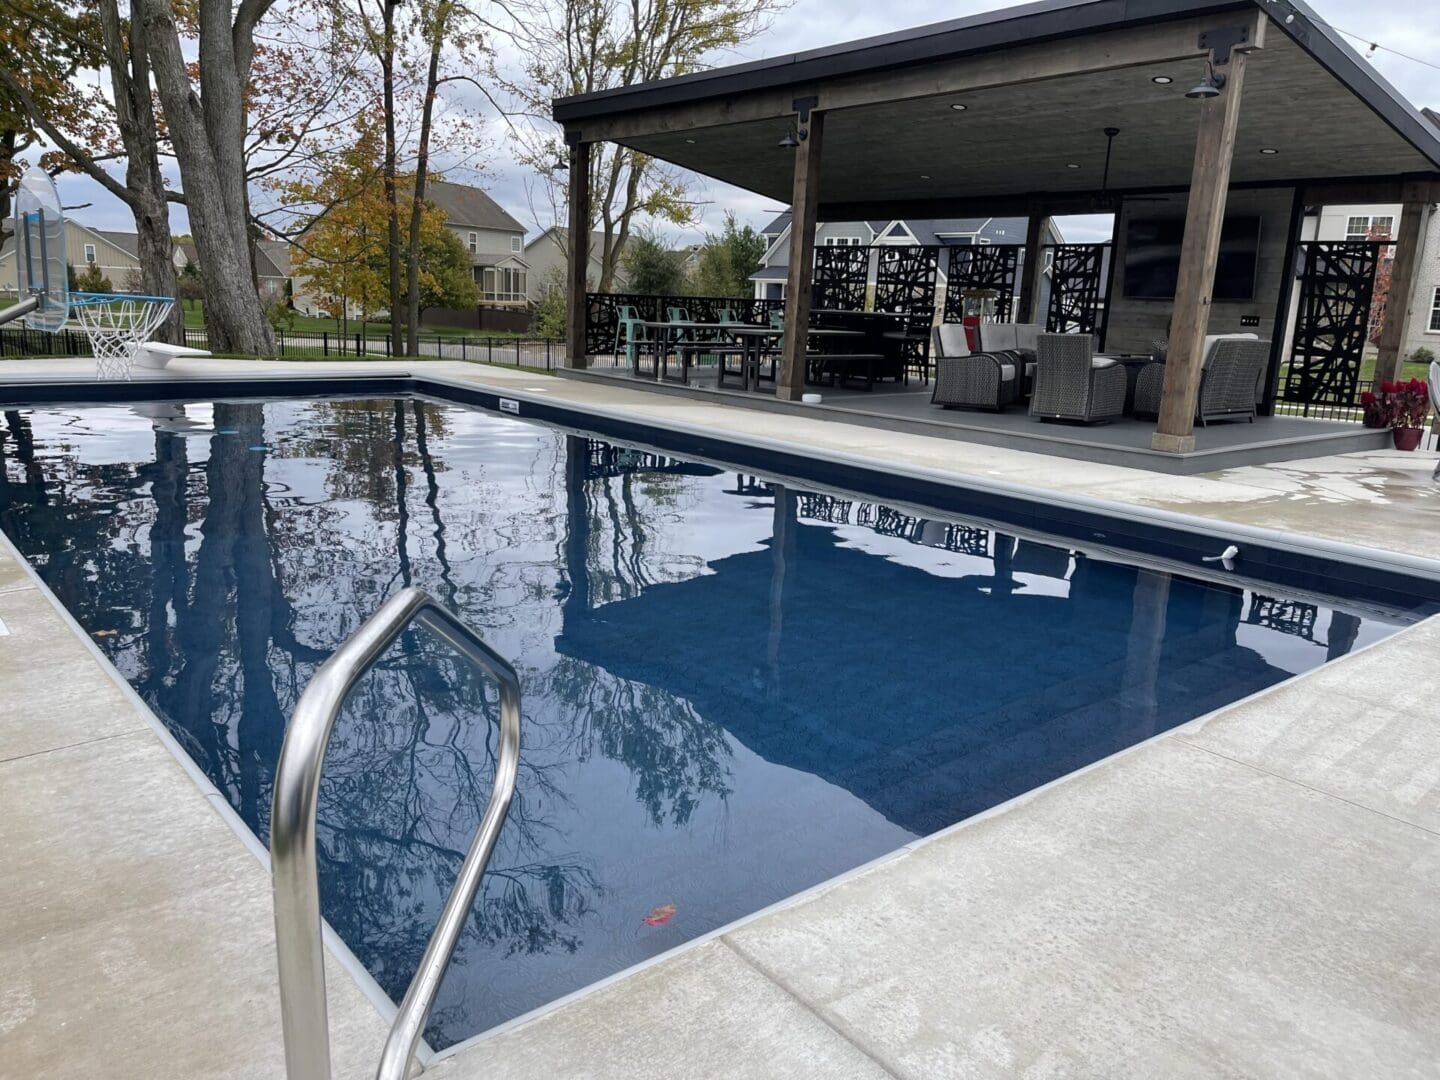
(1403, 407)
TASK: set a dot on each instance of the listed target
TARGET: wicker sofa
(973, 380)
(1000, 337)
(1072, 383)
(1232, 380)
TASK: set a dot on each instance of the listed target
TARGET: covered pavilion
(1253, 107)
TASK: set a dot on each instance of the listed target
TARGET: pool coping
(346, 385)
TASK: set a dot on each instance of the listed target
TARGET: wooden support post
(1396, 327)
(804, 202)
(1030, 272)
(1204, 218)
(577, 271)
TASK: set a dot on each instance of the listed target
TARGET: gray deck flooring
(1126, 441)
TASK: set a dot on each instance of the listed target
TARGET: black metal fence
(544, 353)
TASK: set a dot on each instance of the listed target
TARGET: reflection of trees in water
(231, 567)
(677, 756)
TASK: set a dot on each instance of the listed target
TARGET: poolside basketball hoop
(117, 325)
(40, 277)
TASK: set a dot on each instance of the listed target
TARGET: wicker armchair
(966, 380)
(1232, 380)
(1071, 384)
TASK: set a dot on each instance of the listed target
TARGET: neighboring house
(115, 253)
(272, 271)
(941, 232)
(494, 240)
(550, 252)
(1337, 223)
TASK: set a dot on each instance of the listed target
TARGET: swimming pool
(733, 689)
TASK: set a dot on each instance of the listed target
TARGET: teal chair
(727, 315)
(676, 314)
(629, 332)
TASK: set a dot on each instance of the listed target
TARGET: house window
(1435, 312)
(473, 243)
(1360, 228)
(503, 285)
(90, 253)
(842, 241)
(514, 243)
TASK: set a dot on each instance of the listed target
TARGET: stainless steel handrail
(294, 876)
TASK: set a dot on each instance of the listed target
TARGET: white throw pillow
(1007, 372)
(1101, 362)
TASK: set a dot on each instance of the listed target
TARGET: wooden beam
(804, 202)
(1114, 50)
(1373, 192)
(1400, 300)
(1031, 264)
(1204, 218)
(577, 271)
(1284, 304)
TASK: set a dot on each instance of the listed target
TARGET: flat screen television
(1152, 258)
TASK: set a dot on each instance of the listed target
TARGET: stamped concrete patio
(1250, 895)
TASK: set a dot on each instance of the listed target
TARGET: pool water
(732, 690)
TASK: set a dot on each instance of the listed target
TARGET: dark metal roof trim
(1023, 25)
(1027, 24)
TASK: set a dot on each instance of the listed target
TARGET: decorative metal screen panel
(990, 267)
(1337, 287)
(905, 280)
(1077, 289)
(841, 273)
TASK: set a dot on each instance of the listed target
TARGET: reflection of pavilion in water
(930, 696)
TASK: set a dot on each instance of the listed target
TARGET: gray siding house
(548, 253)
(494, 240)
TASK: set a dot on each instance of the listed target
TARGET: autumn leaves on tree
(318, 121)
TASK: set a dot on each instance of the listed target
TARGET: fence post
(387, 346)
(547, 354)
(517, 352)
(325, 335)
(357, 345)
(489, 349)
(462, 346)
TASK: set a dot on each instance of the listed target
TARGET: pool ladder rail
(300, 949)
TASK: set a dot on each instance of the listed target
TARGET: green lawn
(310, 324)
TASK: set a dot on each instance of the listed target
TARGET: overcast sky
(1410, 26)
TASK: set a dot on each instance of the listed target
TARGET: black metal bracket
(1222, 40)
(803, 105)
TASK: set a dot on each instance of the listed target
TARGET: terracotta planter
(1407, 438)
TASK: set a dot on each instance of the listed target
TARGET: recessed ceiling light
(924, 176)
(690, 141)
(958, 107)
(1162, 80)
(1269, 151)
(1072, 165)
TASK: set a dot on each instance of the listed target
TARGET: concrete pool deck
(1252, 894)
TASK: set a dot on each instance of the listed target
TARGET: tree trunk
(135, 115)
(392, 204)
(422, 165)
(9, 139)
(208, 137)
